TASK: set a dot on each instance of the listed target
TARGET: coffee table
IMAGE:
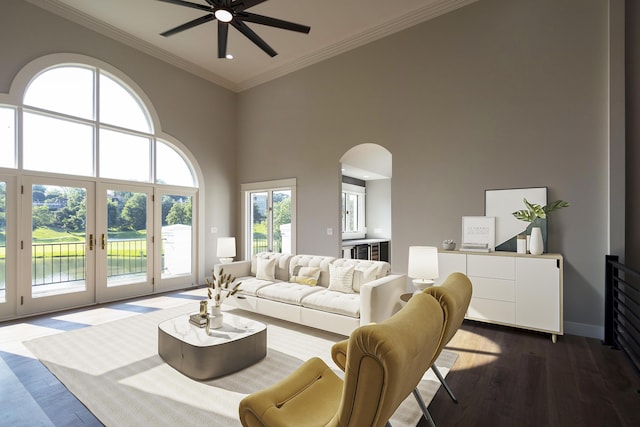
(239, 343)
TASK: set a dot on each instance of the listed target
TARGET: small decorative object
(220, 287)
(448, 245)
(522, 244)
(478, 233)
(532, 213)
(203, 308)
(215, 320)
(536, 247)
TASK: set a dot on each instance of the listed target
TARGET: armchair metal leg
(422, 405)
(444, 383)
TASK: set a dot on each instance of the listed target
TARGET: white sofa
(281, 286)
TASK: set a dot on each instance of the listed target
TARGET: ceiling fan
(233, 12)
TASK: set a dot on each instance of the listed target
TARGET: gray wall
(198, 113)
(633, 133)
(498, 94)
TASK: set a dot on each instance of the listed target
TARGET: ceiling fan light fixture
(223, 15)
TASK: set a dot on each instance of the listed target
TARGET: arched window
(83, 162)
(81, 120)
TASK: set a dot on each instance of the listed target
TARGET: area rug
(115, 370)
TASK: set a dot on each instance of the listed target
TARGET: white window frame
(360, 193)
(268, 186)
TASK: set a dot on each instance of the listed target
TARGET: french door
(175, 263)
(57, 244)
(67, 243)
(8, 254)
(124, 241)
(270, 217)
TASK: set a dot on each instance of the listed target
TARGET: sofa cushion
(313, 261)
(282, 264)
(341, 278)
(305, 275)
(290, 293)
(381, 269)
(334, 302)
(250, 285)
(266, 268)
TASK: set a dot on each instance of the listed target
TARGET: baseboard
(584, 330)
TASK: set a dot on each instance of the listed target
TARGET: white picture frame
(479, 230)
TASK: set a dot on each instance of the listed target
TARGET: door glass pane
(7, 137)
(259, 232)
(67, 90)
(54, 145)
(3, 241)
(281, 232)
(124, 156)
(120, 107)
(58, 250)
(352, 212)
(176, 235)
(126, 243)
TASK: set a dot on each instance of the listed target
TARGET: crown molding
(375, 33)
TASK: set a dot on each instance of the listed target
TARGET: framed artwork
(502, 203)
(479, 230)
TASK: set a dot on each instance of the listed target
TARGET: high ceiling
(336, 27)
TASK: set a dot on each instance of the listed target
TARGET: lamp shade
(423, 262)
(226, 247)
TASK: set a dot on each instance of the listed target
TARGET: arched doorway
(366, 202)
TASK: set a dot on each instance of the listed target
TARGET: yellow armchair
(383, 363)
(454, 295)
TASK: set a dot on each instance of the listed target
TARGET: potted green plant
(532, 214)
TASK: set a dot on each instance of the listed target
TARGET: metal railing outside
(54, 263)
(622, 309)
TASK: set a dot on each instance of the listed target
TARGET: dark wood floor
(509, 377)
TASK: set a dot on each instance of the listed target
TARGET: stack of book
(475, 247)
(198, 320)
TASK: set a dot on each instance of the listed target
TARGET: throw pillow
(362, 275)
(341, 278)
(306, 275)
(266, 269)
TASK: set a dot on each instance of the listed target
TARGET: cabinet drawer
(497, 289)
(498, 267)
(492, 310)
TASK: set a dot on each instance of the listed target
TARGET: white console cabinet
(510, 289)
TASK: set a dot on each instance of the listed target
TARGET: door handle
(90, 242)
(103, 241)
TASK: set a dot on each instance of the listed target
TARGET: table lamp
(423, 266)
(226, 249)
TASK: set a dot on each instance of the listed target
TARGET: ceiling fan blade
(248, 32)
(240, 5)
(273, 22)
(223, 30)
(188, 25)
(189, 4)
